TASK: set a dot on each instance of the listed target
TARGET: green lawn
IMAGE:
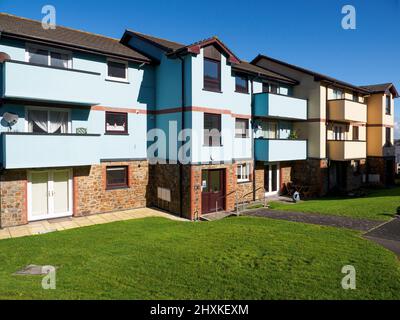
(378, 205)
(236, 258)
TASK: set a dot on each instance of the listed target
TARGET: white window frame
(126, 79)
(48, 109)
(30, 46)
(278, 179)
(335, 92)
(244, 177)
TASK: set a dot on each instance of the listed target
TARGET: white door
(271, 179)
(49, 194)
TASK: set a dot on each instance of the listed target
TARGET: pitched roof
(382, 88)
(246, 67)
(164, 44)
(31, 30)
(171, 48)
(317, 76)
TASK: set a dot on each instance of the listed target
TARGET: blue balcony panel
(41, 83)
(25, 150)
(279, 106)
(280, 150)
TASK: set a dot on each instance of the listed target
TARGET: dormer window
(241, 84)
(212, 69)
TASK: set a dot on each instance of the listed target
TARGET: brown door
(212, 197)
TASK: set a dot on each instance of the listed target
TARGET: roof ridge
(60, 26)
(155, 37)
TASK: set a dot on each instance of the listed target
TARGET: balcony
(270, 150)
(342, 150)
(347, 111)
(279, 106)
(36, 82)
(28, 150)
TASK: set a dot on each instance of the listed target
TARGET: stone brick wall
(285, 175)
(312, 173)
(377, 165)
(91, 195)
(13, 198)
(259, 177)
(245, 189)
(165, 176)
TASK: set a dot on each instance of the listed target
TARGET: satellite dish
(10, 118)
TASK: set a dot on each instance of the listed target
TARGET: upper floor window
(242, 128)
(388, 105)
(47, 121)
(117, 70)
(116, 123)
(212, 75)
(275, 89)
(212, 130)
(356, 133)
(388, 137)
(49, 57)
(337, 94)
(338, 133)
(269, 129)
(241, 84)
(355, 97)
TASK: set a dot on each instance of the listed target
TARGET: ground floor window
(117, 177)
(243, 172)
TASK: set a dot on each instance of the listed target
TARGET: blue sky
(303, 32)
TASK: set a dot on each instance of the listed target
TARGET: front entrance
(271, 179)
(213, 191)
(49, 194)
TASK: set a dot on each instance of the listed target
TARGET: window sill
(207, 146)
(212, 90)
(116, 134)
(243, 182)
(241, 137)
(116, 188)
(243, 92)
(117, 80)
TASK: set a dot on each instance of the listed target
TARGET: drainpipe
(183, 102)
(253, 152)
(326, 138)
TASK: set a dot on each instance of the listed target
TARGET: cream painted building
(349, 130)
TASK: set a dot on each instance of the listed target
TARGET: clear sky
(307, 33)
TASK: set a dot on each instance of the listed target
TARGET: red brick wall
(13, 197)
(90, 192)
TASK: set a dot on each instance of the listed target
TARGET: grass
(378, 205)
(237, 258)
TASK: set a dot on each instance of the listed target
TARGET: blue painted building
(91, 124)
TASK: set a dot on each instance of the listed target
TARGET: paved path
(46, 226)
(387, 235)
(318, 219)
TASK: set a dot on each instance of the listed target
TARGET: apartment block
(91, 124)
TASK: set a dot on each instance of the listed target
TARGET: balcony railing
(29, 150)
(279, 106)
(342, 150)
(273, 150)
(37, 82)
(347, 110)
